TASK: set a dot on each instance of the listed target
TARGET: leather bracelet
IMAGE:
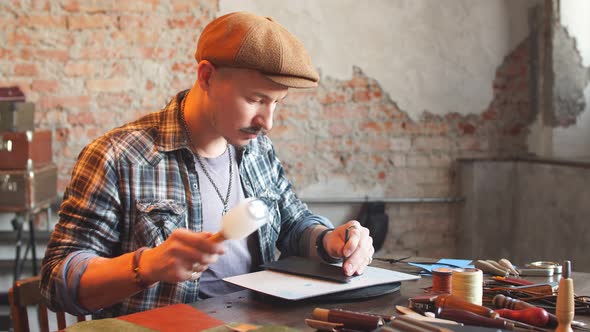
(319, 246)
(135, 268)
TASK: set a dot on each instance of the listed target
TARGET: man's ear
(205, 71)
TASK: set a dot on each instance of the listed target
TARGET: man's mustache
(254, 131)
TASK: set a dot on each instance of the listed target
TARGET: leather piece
(359, 294)
(309, 268)
(173, 318)
(108, 324)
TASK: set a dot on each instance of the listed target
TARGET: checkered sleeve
(89, 217)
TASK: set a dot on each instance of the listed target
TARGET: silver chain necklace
(187, 131)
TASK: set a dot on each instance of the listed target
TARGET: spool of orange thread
(441, 280)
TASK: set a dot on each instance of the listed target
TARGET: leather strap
(135, 267)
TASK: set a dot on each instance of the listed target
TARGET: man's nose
(264, 118)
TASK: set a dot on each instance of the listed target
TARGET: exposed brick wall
(92, 65)
(353, 129)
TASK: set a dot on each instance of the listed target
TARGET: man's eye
(254, 101)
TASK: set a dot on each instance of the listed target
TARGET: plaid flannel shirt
(134, 185)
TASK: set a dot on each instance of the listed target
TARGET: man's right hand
(175, 260)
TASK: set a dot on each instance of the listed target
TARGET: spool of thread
(441, 280)
(467, 284)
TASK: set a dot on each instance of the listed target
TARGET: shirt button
(194, 186)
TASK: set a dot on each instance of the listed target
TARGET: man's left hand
(357, 251)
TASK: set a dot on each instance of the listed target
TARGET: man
(145, 198)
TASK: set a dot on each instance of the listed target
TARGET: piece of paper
(445, 262)
(294, 287)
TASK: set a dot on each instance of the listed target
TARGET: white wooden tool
(242, 220)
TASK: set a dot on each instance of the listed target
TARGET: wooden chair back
(24, 293)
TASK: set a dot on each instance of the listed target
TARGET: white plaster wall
(337, 187)
(574, 17)
(439, 56)
(574, 142)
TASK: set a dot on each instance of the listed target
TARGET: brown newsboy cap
(246, 40)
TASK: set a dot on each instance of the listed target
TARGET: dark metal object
(390, 200)
(19, 222)
(22, 150)
(372, 216)
(17, 116)
(567, 269)
(25, 190)
(392, 260)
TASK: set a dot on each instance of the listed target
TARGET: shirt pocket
(156, 220)
(271, 197)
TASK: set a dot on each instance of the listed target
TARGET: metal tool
(557, 268)
(542, 272)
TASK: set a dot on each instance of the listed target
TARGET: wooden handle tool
(411, 313)
(502, 301)
(448, 301)
(242, 220)
(469, 318)
(487, 267)
(507, 264)
(532, 316)
(565, 300)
